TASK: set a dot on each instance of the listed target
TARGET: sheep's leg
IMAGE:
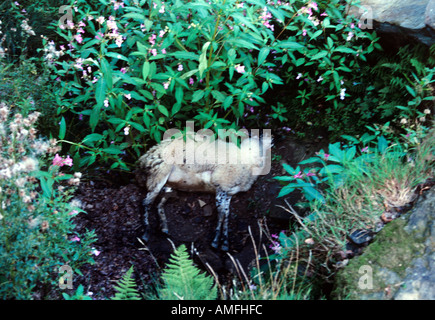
(147, 203)
(161, 210)
(223, 207)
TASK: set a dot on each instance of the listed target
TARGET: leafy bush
(36, 230)
(133, 69)
(27, 87)
(351, 189)
(22, 24)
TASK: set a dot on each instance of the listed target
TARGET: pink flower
(299, 175)
(164, 51)
(310, 174)
(240, 69)
(304, 32)
(275, 246)
(313, 5)
(58, 161)
(96, 252)
(191, 81)
(75, 239)
(326, 156)
(365, 149)
(73, 213)
(68, 161)
(78, 38)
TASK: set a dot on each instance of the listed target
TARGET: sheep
(202, 164)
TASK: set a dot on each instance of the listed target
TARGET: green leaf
(116, 56)
(262, 55)
(163, 110)
(91, 138)
(135, 16)
(197, 95)
(411, 91)
(189, 74)
(312, 194)
(203, 58)
(112, 150)
(179, 94)
(287, 44)
(345, 50)
(107, 73)
(319, 55)
(100, 92)
(350, 153)
(185, 55)
(145, 70)
(382, 144)
(95, 117)
(62, 129)
(219, 96)
(228, 101)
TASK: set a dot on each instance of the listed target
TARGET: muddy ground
(114, 212)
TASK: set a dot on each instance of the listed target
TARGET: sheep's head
(257, 150)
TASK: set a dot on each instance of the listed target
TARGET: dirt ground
(114, 212)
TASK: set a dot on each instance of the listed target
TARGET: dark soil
(114, 212)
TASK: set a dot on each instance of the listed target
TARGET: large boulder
(401, 21)
(399, 264)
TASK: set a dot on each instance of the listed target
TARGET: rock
(400, 263)
(207, 210)
(400, 18)
(361, 236)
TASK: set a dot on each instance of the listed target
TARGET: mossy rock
(388, 265)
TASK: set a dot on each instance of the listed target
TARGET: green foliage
(355, 184)
(36, 209)
(23, 23)
(132, 71)
(126, 287)
(182, 280)
(27, 87)
(78, 295)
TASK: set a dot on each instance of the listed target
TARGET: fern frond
(126, 287)
(182, 280)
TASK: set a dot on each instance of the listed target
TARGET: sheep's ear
(267, 141)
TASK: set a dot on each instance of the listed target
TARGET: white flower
(343, 93)
(127, 130)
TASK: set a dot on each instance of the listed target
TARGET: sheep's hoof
(224, 247)
(146, 236)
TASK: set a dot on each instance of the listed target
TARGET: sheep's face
(257, 150)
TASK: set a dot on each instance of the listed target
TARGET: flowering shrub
(132, 69)
(36, 211)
